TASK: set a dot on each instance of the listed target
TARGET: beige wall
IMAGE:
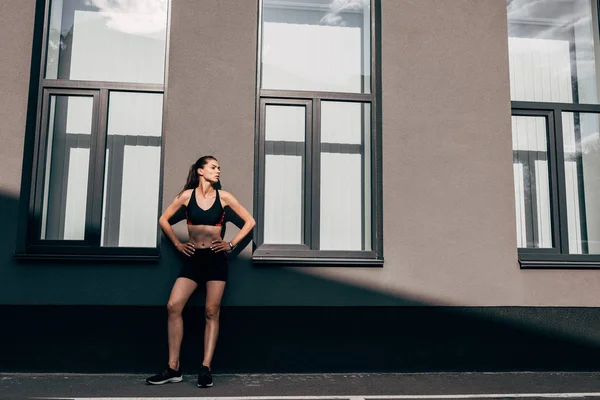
(16, 31)
(449, 224)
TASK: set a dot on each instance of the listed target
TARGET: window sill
(307, 262)
(556, 264)
(270, 255)
(149, 257)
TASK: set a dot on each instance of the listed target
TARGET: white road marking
(391, 397)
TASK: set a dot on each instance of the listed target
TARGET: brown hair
(193, 178)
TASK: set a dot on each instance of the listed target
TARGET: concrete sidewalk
(530, 385)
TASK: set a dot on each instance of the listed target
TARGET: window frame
(28, 245)
(558, 256)
(281, 254)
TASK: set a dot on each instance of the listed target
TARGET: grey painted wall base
(295, 339)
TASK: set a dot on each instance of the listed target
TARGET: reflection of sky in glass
(337, 7)
(135, 17)
(316, 45)
(107, 40)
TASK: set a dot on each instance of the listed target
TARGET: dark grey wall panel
(298, 339)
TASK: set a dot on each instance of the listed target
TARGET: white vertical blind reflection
(543, 203)
(366, 154)
(131, 189)
(590, 165)
(345, 127)
(48, 166)
(582, 163)
(569, 143)
(283, 199)
(571, 184)
(284, 175)
(104, 202)
(139, 197)
(520, 205)
(529, 136)
(573, 216)
(540, 70)
(64, 202)
(341, 202)
(529, 133)
(77, 183)
(79, 121)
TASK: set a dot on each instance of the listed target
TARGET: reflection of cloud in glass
(337, 7)
(134, 17)
(551, 15)
(590, 143)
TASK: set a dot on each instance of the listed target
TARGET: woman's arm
(249, 222)
(163, 221)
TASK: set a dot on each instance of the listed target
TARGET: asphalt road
(526, 385)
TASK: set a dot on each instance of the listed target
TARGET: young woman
(205, 260)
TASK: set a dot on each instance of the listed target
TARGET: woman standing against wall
(205, 260)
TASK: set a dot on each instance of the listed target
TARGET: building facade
(423, 175)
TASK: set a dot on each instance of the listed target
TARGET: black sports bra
(197, 216)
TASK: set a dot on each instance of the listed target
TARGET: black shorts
(205, 265)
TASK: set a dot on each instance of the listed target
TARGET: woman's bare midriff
(203, 235)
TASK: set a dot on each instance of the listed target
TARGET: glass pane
(345, 176)
(103, 40)
(553, 50)
(532, 183)
(321, 45)
(64, 201)
(582, 180)
(132, 172)
(285, 128)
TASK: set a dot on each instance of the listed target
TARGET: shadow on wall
(88, 334)
(70, 282)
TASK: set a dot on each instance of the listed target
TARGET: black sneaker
(204, 377)
(168, 375)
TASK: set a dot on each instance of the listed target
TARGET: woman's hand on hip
(220, 245)
(186, 248)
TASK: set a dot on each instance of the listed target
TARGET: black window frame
(558, 256)
(306, 254)
(29, 245)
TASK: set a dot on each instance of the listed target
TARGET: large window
(95, 173)
(554, 64)
(318, 148)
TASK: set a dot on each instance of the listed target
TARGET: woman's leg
(214, 294)
(180, 294)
